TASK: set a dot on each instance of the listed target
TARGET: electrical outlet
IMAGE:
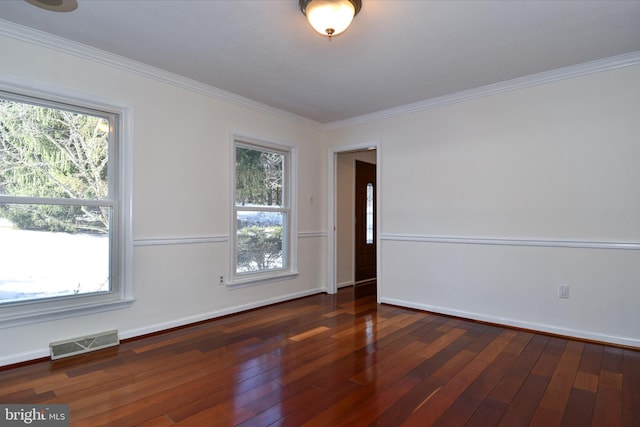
(222, 280)
(563, 291)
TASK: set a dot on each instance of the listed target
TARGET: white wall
(489, 204)
(345, 213)
(180, 191)
(481, 203)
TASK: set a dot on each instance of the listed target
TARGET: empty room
(319, 212)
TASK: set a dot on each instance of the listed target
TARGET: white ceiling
(395, 53)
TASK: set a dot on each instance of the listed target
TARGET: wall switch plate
(563, 291)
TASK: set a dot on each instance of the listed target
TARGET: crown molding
(591, 67)
(36, 37)
(60, 44)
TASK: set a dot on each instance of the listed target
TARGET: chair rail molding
(552, 243)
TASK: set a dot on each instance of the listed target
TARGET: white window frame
(290, 234)
(121, 251)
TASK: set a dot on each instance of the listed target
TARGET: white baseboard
(132, 333)
(24, 357)
(352, 283)
(586, 335)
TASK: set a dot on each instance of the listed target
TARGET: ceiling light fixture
(55, 5)
(330, 17)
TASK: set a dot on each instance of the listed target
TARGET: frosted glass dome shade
(330, 17)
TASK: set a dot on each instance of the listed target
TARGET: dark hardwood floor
(340, 360)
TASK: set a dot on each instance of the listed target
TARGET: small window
(262, 211)
(369, 214)
(59, 206)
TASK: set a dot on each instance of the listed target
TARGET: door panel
(365, 221)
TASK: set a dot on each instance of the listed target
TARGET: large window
(60, 222)
(262, 211)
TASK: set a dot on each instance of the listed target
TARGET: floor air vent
(66, 348)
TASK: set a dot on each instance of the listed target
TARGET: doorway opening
(364, 223)
(354, 218)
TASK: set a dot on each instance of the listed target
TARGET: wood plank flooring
(340, 360)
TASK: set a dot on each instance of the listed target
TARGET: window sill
(30, 313)
(255, 280)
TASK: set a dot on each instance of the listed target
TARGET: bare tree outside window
(54, 185)
(261, 209)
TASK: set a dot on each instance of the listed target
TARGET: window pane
(56, 218)
(46, 152)
(48, 251)
(259, 241)
(369, 214)
(259, 178)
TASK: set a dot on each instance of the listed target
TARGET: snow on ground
(40, 264)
